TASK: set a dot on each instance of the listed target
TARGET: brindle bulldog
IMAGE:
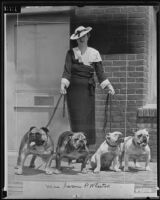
(36, 142)
(73, 147)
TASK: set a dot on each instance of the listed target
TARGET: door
(40, 51)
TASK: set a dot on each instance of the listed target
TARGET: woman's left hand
(111, 89)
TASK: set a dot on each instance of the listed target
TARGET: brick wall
(120, 33)
(123, 113)
(147, 118)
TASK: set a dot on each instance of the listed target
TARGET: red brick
(134, 21)
(139, 91)
(119, 85)
(111, 57)
(139, 103)
(141, 8)
(119, 74)
(137, 15)
(119, 63)
(107, 63)
(140, 50)
(131, 68)
(131, 102)
(140, 68)
(135, 74)
(114, 80)
(135, 97)
(139, 79)
(111, 69)
(136, 62)
(122, 57)
(108, 74)
(130, 91)
(128, 79)
(131, 57)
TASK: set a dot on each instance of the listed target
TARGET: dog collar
(111, 144)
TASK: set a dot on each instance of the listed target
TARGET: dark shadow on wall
(110, 37)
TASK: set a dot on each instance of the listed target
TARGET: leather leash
(108, 99)
(54, 111)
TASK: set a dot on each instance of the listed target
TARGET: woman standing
(78, 83)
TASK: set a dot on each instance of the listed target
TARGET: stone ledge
(149, 110)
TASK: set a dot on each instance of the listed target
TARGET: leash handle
(54, 111)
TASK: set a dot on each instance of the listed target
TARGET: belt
(91, 81)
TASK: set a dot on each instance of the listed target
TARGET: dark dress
(81, 94)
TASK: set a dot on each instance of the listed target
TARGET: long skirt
(81, 107)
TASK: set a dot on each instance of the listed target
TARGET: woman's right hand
(63, 89)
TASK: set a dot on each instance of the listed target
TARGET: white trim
(105, 83)
(65, 81)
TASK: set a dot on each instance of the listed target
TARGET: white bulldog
(107, 155)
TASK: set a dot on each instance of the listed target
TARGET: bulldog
(36, 142)
(134, 147)
(73, 147)
(107, 155)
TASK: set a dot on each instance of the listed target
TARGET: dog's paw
(57, 171)
(117, 170)
(19, 171)
(126, 169)
(148, 168)
(32, 166)
(137, 165)
(49, 171)
(97, 170)
(84, 171)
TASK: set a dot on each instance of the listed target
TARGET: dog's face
(78, 140)
(114, 136)
(141, 137)
(38, 136)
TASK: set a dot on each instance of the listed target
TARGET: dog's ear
(46, 130)
(147, 129)
(32, 128)
(107, 135)
(67, 140)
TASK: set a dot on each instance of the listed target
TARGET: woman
(78, 83)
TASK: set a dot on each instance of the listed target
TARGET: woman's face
(83, 39)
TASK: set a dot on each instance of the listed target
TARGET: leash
(108, 99)
(107, 108)
(54, 111)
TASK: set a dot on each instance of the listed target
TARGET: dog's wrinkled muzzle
(143, 142)
(36, 138)
(81, 145)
